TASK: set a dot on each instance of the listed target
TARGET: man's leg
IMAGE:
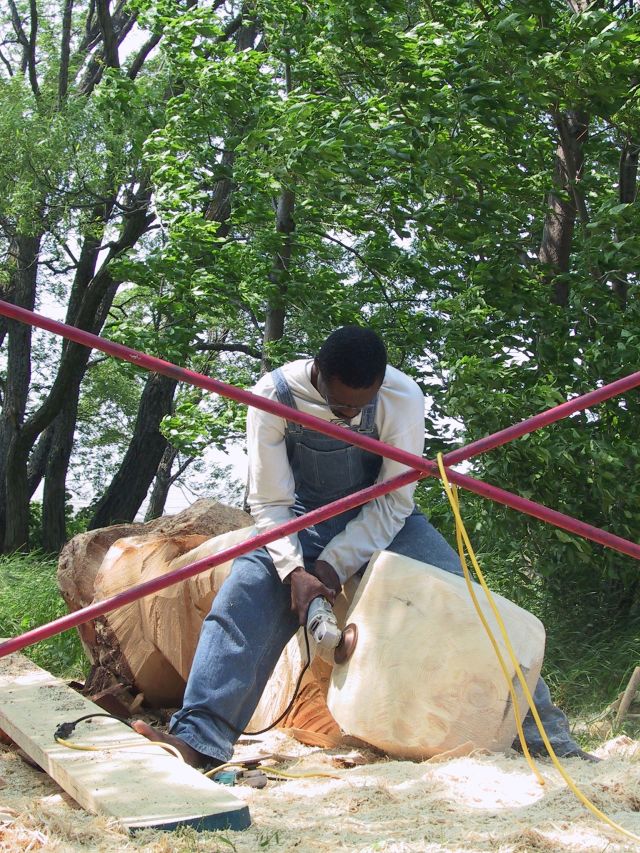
(421, 541)
(249, 625)
(555, 725)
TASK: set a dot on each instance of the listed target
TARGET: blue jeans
(251, 622)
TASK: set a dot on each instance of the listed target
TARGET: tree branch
(218, 347)
(28, 44)
(91, 28)
(6, 63)
(141, 56)
(109, 42)
(65, 52)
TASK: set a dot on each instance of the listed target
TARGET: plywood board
(141, 787)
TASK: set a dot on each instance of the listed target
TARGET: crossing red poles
(426, 466)
(99, 608)
(421, 467)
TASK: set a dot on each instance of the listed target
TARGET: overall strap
(284, 395)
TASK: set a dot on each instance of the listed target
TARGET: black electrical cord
(65, 729)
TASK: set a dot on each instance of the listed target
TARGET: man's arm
(271, 497)
(271, 490)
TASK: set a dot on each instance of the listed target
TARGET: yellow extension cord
(167, 747)
(463, 541)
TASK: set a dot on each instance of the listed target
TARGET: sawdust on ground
(368, 803)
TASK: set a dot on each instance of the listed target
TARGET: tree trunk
(627, 183)
(129, 487)
(13, 474)
(276, 309)
(161, 484)
(565, 203)
(54, 524)
(38, 460)
(89, 303)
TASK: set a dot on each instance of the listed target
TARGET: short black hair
(354, 355)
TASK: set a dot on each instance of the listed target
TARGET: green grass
(586, 669)
(29, 597)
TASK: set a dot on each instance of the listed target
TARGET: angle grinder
(323, 627)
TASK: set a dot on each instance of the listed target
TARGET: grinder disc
(347, 644)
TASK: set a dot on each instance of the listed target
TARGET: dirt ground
(366, 803)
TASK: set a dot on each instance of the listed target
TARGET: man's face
(345, 402)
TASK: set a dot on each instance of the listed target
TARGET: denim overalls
(251, 622)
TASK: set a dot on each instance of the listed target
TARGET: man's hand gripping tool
(323, 627)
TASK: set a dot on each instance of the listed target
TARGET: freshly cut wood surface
(157, 635)
(424, 678)
(142, 786)
(160, 632)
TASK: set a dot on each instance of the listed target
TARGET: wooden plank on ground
(141, 787)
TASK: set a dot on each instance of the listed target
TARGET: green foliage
(420, 148)
(588, 665)
(29, 597)
(106, 413)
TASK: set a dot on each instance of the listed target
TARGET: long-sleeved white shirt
(400, 422)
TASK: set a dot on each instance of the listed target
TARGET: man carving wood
(293, 469)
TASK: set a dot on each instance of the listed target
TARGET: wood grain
(424, 678)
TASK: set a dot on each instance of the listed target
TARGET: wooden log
(146, 647)
(424, 679)
(157, 636)
(628, 696)
(141, 787)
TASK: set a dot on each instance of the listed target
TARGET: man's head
(349, 369)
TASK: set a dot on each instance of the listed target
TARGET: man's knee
(254, 576)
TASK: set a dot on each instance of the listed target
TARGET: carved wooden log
(143, 651)
(147, 651)
(424, 678)
(157, 635)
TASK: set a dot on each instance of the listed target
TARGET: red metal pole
(417, 463)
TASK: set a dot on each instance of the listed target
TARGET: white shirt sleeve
(379, 521)
(271, 492)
